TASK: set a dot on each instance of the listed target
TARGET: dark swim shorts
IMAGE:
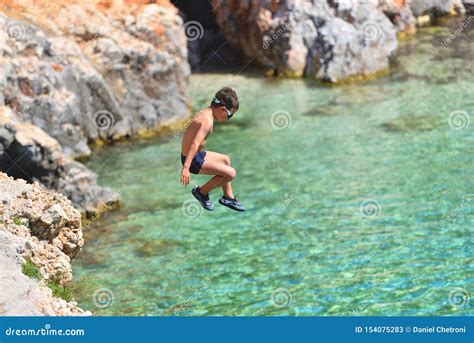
(197, 162)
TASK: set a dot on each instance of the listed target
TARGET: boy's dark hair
(228, 97)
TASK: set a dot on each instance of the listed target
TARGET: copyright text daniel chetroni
(411, 329)
(438, 329)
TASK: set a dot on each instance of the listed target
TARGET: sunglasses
(229, 113)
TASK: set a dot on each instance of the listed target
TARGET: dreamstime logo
(278, 33)
(103, 120)
(281, 120)
(23, 110)
(378, 111)
(107, 207)
(457, 32)
(371, 31)
(196, 295)
(281, 297)
(16, 30)
(103, 298)
(458, 297)
(372, 294)
(191, 209)
(370, 208)
(455, 212)
(281, 209)
(179, 133)
(193, 30)
(459, 120)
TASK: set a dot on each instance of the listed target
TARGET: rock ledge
(41, 227)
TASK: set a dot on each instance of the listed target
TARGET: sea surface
(359, 199)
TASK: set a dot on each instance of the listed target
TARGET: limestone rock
(27, 152)
(436, 7)
(399, 13)
(469, 6)
(45, 229)
(84, 72)
(328, 40)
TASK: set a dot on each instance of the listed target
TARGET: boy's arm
(198, 139)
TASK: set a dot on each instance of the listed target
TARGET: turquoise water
(359, 197)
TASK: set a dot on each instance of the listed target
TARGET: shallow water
(359, 200)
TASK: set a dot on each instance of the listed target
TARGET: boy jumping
(196, 160)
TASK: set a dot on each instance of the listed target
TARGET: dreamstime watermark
(378, 111)
(103, 120)
(281, 297)
(46, 331)
(193, 30)
(456, 33)
(178, 133)
(109, 205)
(377, 289)
(103, 298)
(281, 120)
(459, 120)
(455, 212)
(15, 30)
(278, 211)
(23, 111)
(372, 31)
(370, 208)
(191, 209)
(459, 297)
(278, 32)
(191, 299)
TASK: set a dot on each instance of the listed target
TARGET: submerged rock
(412, 122)
(157, 247)
(43, 228)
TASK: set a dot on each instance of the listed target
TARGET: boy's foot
(231, 203)
(203, 199)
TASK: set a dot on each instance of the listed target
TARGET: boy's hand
(185, 176)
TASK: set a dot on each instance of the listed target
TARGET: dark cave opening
(209, 50)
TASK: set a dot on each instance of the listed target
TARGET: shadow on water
(412, 122)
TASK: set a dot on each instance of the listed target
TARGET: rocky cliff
(329, 40)
(28, 152)
(44, 229)
(81, 72)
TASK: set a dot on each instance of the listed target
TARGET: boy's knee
(231, 173)
(227, 160)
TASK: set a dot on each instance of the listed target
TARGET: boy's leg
(218, 165)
